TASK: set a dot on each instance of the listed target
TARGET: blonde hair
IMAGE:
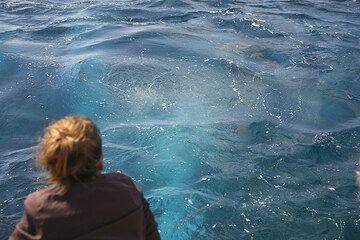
(70, 151)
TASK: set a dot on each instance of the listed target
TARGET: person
(81, 202)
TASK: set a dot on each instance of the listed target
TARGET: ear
(100, 164)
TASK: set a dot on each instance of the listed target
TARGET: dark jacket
(108, 207)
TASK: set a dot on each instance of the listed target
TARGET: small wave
(247, 26)
(21, 8)
(170, 4)
(27, 151)
(54, 31)
(300, 16)
(180, 18)
(123, 147)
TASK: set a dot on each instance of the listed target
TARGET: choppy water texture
(240, 119)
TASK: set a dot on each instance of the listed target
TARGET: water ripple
(240, 119)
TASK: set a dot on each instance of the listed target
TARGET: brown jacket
(109, 207)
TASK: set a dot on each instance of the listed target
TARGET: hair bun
(66, 157)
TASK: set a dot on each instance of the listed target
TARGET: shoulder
(122, 179)
(35, 201)
(118, 177)
(123, 185)
(35, 197)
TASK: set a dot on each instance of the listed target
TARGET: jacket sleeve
(151, 228)
(25, 229)
(21, 230)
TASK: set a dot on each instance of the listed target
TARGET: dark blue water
(240, 119)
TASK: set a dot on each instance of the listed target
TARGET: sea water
(240, 119)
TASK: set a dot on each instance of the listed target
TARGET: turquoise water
(240, 119)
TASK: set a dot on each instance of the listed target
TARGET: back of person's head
(70, 151)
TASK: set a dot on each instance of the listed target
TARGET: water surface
(240, 119)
